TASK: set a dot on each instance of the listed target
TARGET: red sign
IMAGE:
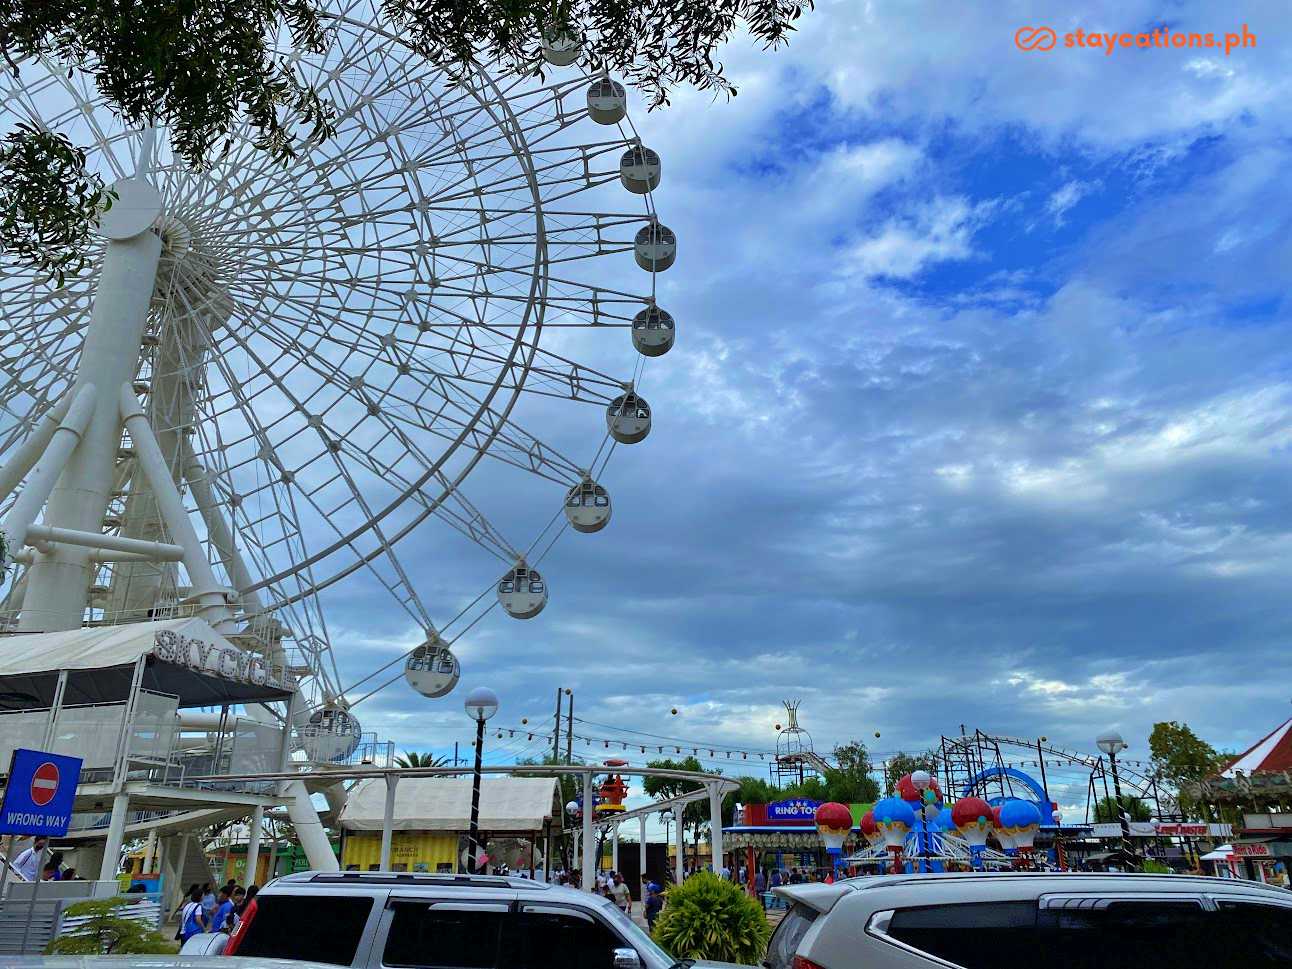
(1251, 851)
(44, 784)
(1182, 830)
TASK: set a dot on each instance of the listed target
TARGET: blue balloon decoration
(1019, 814)
(943, 820)
(892, 809)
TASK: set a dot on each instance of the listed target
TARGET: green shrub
(708, 918)
(107, 933)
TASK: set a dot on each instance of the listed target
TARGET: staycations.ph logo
(1163, 38)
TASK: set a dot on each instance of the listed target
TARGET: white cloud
(937, 231)
(1067, 196)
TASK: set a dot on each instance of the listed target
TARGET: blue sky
(979, 412)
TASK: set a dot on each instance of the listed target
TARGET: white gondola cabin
(639, 170)
(560, 49)
(655, 247)
(653, 330)
(607, 101)
(587, 506)
(331, 734)
(522, 592)
(628, 418)
(432, 670)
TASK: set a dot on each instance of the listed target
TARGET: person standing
(654, 904)
(27, 863)
(622, 894)
(192, 918)
(208, 903)
(223, 911)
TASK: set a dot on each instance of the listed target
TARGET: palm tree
(411, 758)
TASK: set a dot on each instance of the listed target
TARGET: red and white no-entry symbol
(44, 783)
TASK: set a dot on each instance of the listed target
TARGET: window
(547, 940)
(1257, 936)
(982, 935)
(788, 935)
(317, 928)
(1126, 934)
(454, 937)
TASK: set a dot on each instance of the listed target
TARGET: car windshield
(632, 932)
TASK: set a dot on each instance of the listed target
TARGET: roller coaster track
(1141, 784)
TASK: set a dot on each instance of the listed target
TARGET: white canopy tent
(507, 804)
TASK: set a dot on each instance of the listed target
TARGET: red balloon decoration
(834, 815)
(867, 825)
(907, 790)
(967, 810)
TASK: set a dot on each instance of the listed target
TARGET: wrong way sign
(38, 793)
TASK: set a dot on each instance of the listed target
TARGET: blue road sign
(39, 792)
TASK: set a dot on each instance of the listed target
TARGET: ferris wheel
(337, 346)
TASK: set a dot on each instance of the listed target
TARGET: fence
(26, 929)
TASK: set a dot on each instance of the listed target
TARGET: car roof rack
(416, 878)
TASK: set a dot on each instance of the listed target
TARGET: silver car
(370, 920)
(1034, 921)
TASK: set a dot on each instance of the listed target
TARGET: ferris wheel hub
(134, 210)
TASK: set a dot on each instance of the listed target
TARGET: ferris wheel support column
(58, 583)
(29, 452)
(209, 594)
(219, 533)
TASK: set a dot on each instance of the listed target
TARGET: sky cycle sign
(39, 792)
(795, 809)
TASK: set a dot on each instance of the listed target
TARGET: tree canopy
(200, 68)
(1136, 810)
(1180, 758)
(902, 763)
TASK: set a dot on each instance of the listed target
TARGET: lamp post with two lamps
(481, 704)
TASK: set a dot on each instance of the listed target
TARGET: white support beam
(715, 829)
(212, 604)
(253, 846)
(49, 465)
(154, 551)
(388, 822)
(26, 455)
(28, 557)
(219, 532)
(58, 586)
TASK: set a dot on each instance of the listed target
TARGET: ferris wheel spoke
(511, 443)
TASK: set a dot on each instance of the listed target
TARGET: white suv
(371, 920)
(1034, 920)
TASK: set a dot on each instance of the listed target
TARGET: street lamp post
(481, 704)
(1111, 743)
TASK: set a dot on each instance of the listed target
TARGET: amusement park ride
(1003, 787)
(272, 372)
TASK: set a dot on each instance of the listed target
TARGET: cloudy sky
(979, 412)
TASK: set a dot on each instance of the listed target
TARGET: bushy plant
(707, 917)
(107, 932)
